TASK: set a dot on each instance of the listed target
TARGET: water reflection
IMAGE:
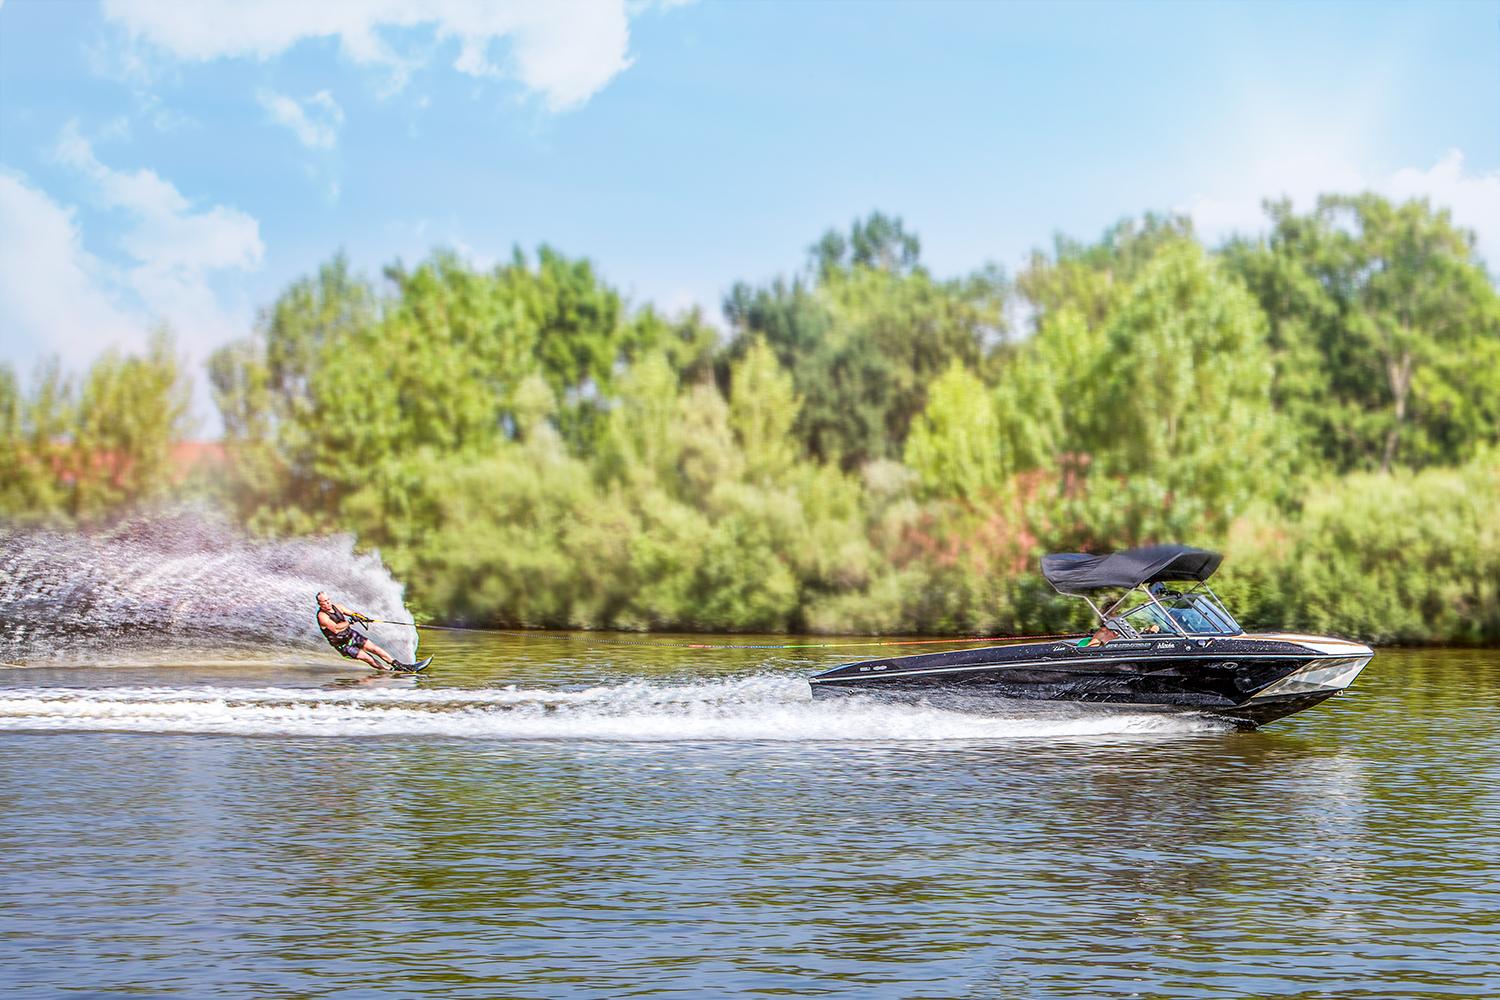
(1347, 851)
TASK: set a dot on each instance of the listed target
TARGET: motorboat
(1165, 643)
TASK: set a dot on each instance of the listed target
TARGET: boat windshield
(1195, 612)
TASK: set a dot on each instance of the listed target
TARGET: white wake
(762, 707)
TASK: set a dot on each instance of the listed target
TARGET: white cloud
(174, 249)
(1472, 197)
(315, 123)
(59, 297)
(55, 297)
(563, 50)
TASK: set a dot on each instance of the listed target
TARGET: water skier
(337, 625)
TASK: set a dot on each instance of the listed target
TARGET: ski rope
(589, 637)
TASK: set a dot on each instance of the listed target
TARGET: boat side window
(1149, 620)
(1210, 609)
(1193, 613)
(1192, 620)
(1162, 611)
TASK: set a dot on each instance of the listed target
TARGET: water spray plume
(184, 584)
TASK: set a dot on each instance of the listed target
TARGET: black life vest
(338, 640)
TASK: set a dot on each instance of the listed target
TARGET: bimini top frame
(1078, 574)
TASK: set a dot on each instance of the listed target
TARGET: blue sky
(175, 162)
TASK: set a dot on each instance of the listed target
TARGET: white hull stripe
(1323, 644)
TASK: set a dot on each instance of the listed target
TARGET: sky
(177, 163)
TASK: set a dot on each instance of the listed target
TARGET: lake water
(565, 817)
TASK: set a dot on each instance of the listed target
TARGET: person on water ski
(337, 625)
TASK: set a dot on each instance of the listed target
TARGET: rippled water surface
(556, 817)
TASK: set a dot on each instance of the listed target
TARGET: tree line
(864, 446)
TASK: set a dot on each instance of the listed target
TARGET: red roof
(182, 460)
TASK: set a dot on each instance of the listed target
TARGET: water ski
(412, 668)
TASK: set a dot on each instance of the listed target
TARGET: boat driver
(337, 625)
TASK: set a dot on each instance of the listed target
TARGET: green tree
(880, 242)
(130, 412)
(1046, 387)
(525, 447)
(1386, 329)
(1404, 557)
(263, 387)
(637, 442)
(337, 381)
(34, 431)
(1156, 420)
(763, 409)
(865, 334)
(1185, 434)
(90, 450)
(1088, 278)
(955, 445)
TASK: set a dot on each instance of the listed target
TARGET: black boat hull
(1247, 680)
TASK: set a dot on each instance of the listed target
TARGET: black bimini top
(1077, 572)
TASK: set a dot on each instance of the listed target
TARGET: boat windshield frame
(1198, 601)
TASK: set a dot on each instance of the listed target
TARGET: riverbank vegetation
(864, 446)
